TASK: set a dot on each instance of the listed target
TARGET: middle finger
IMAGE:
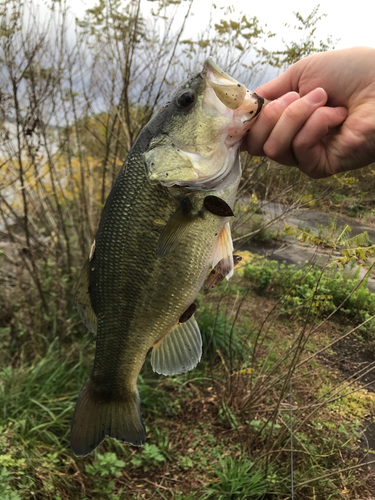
(278, 146)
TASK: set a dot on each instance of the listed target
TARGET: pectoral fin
(82, 298)
(175, 229)
(179, 351)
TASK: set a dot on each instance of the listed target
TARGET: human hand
(323, 118)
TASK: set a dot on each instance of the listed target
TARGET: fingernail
(289, 97)
(316, 96)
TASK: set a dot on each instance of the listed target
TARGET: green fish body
(157, 239)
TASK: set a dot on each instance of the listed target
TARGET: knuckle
(270, 114)
(271, 150)
(292, 114)
(301, 142)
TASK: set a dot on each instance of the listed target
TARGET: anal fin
(179, 351)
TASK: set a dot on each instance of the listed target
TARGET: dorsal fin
(82, 298)
(179, 351)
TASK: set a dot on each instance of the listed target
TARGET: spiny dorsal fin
(217, 274)
(179, 351)
(92, 251)
(82, 298)
(217, 206)
(176, 228)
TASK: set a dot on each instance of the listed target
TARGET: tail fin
(93, 420)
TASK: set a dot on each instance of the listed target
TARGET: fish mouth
(230, 92)
(234, 106)
(223, 114)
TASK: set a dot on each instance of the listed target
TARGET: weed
(183, 496)
(263, 426)
(103, 469)
(307, 289)
(106, 465)
(186, 462)
(356, 210)
(6, 491)
(149, 458)
(338, 197)
(227, 417)
(238, 480)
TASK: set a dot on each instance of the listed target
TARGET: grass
(238, 479)
(221, 336)
(37, 401)
(221, 431)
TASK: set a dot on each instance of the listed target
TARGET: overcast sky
(346, 26)
(352, 23)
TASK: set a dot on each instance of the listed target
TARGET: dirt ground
(351, 355)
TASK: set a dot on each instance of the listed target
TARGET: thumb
(286, 82)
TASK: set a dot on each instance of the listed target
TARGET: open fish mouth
(226, 97)
(202, 145)
(230, 92)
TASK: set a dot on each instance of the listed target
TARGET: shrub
(305, 288)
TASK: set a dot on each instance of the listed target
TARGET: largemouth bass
(164, 225)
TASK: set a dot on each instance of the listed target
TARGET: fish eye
(186, 99)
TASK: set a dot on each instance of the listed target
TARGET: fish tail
(94, 419)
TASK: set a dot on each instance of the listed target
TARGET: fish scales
(145, 311)
(142, 276)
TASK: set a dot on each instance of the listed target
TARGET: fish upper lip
(228, 90)
(221, 82)
(217, 71)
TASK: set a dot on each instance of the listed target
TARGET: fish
(165, 224)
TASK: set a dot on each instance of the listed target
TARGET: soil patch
(355, 357)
